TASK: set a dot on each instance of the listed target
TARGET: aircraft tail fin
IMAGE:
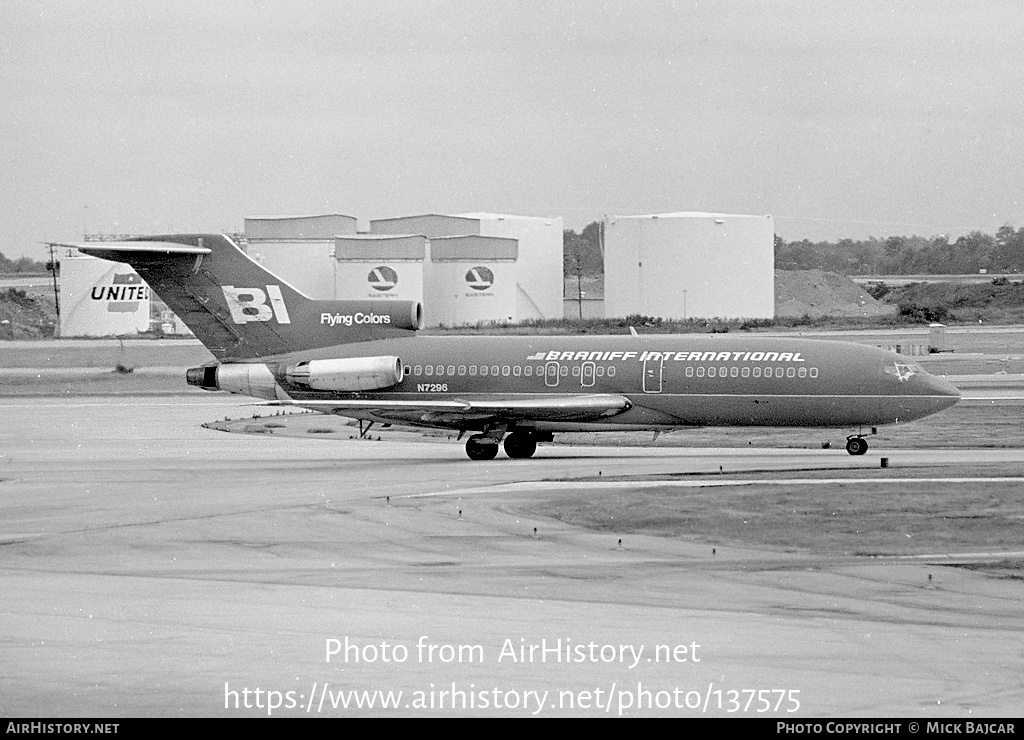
(240, 310)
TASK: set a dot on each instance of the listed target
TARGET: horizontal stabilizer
(140, 246)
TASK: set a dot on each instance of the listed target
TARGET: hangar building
(100, 298)
(690, 265)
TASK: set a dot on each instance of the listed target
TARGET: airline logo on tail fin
(250, 304)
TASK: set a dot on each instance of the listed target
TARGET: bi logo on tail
(250, 304)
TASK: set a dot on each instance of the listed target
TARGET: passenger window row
(747, 372)
(502, 370)
(600, 371)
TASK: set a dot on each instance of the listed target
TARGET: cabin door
(551, 374)
(653, 375)
(588, 374)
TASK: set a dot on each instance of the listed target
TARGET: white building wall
(99, 298)
(539, 267)
(690, 265)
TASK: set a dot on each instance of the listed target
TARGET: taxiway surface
(150, 567)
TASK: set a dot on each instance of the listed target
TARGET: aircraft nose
(944, 393)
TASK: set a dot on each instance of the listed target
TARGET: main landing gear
(518, 445)
(856, 444)
(479, 447)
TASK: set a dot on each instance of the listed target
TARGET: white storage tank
(539, 265)
(379, 267)
(99, 298)
(471, 280)
(538, 269)
(690, 265)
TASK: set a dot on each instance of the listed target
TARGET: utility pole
(579, 283)
(53, 271)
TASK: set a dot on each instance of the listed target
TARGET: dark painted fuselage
(670, 380)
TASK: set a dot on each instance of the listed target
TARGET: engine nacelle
(346, 374)
(249, 379)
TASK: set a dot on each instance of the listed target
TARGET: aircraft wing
(493, 408)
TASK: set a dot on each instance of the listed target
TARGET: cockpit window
(903, 369)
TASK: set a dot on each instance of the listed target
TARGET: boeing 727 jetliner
(363, 359)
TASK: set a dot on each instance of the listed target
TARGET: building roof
(689, 214)
(296, 218)
(473, 248)
(316, 227)
(376, 247)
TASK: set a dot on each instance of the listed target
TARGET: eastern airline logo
(479, 278)
(382, 278)
(250, 304)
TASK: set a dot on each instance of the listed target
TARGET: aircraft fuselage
(670, 380)
(362, 359)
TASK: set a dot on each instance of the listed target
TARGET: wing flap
(553, 408)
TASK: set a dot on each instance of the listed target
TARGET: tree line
(999, 254)
(20, 266)
(582, 253)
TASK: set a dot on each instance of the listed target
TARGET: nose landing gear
(856, 444)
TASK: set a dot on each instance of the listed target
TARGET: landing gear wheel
(856, 445)
(520, 446)
(479, 447)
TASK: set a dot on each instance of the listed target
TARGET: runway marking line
(958, 555)
(590, 485)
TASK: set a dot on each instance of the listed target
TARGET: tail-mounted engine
(249, 379)
(340, 374)
(346, 374)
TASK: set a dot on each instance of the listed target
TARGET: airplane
(364, 360)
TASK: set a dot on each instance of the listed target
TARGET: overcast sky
(850, 118)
